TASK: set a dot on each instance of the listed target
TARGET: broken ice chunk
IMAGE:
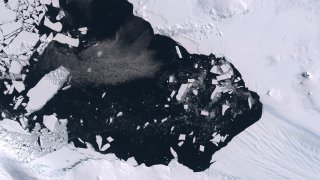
(8, 15)
(224, 108)
(50, 122)
(46, 88)
(83, 30)
(23, 43)
(119, 114)
(54, 26)
(178, 52)
(55, 3)
(215, 70)
(195, 92)
(164, 120)
(105, 147)
(99, 141)
(18, 102)
(217, 90)
(172, 93)
(2, 69)
(60, 15)
(249, 102)
(201, 148)
(61, 38)
(182, 137)
(182, 90)
(171, 79)
(15, 67)
(216, 139)
(45, 2)
(18, 85)
(215, 82)
(173, 152)
(24, 122)
(110, 139)
(10, 28)
(204, 113)
(225, 68)
(224, 77)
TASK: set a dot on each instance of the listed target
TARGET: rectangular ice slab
(23, 43)
(46, 88)
(61, 38)
(183, 88)
(50, 122)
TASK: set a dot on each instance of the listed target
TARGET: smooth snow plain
(272, 43)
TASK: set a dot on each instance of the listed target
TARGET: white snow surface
(271, 43)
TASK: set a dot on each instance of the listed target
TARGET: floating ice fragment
(61, 38)
(15, 67)
(215, 70)
(204, 113)
(224, 108)
(119, 114)
(110, 139)
(178, 52)
(46, 88)
(83, 30)
(182, 137)
(201, 148)
(174, 154)
(23, 43)
(10, 28)
(54, 26)
(18, 85)
(105, 147)
(50, 122)
(181, 91)
(55, 3)
(99, 141)
(249, 102)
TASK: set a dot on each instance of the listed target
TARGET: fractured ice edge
(94, 75)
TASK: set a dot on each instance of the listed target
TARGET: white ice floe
(50, 122)
(181, 92)
(21, 44)
(201, 148)
(215, 70)
(178, 52)
(15, 67)
(171, 79)
(83, 30)
(55, 3)
(8, 15)
(182, 137)
(99, 141)
(18, 85)
(225, 108)
(61, 38)
(45, 2)
(57, 26)
(204, 113)
(8, 29)
(46, 88)
(110, 139)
